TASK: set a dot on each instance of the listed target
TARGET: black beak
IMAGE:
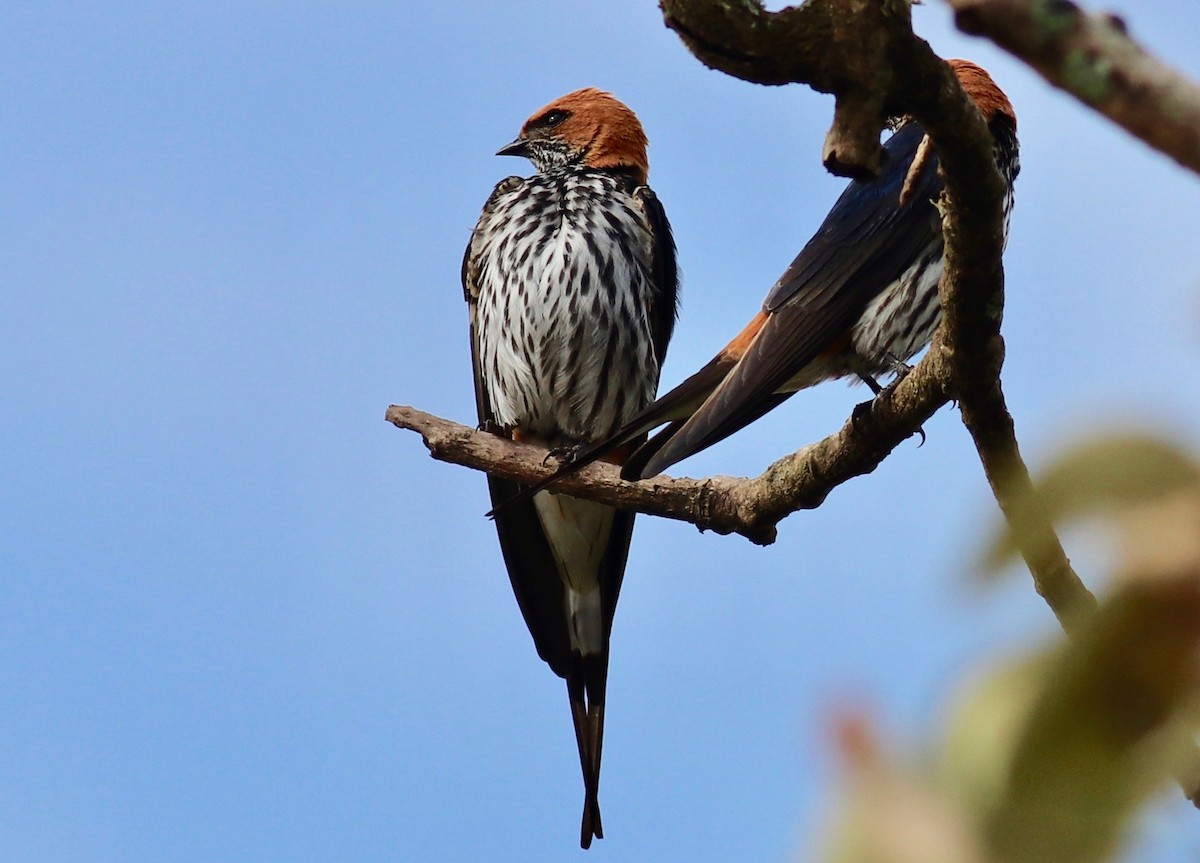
(519, 147)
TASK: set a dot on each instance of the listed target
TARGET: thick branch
(861, 51)
(1093, 58)
(972, 299)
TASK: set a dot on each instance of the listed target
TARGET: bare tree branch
(706, 503)
(1093, 58)
(750, 507)
(970, 336)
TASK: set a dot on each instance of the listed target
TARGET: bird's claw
(861, 415)
(863, 412)
(902, 370)
(564, 455)
(898, 367)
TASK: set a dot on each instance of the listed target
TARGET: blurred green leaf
(1113, 718)
(1048, 757)
(987, 719)
(894, 814)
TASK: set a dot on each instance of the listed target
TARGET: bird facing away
(571, 281)
(859, 299)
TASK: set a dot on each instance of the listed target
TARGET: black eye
(552, 118)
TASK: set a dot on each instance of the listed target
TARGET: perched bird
(571, 281)
(859, 299)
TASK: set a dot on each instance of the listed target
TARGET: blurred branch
(1093, 58)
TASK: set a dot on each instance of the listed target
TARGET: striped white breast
(564, 336)
(900, 321)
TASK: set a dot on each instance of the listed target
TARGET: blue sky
(242, 618)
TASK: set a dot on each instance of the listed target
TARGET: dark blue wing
(665, 272)
(868, 239)
(865, 244)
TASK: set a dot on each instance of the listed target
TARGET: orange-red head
(988, 98)
(588, 127)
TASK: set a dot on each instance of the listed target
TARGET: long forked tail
(586, 691)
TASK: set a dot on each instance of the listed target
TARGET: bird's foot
(860, 417)
(901, 370)
(872, 384)
(863, 412)
(898, 367)
(564, 455)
